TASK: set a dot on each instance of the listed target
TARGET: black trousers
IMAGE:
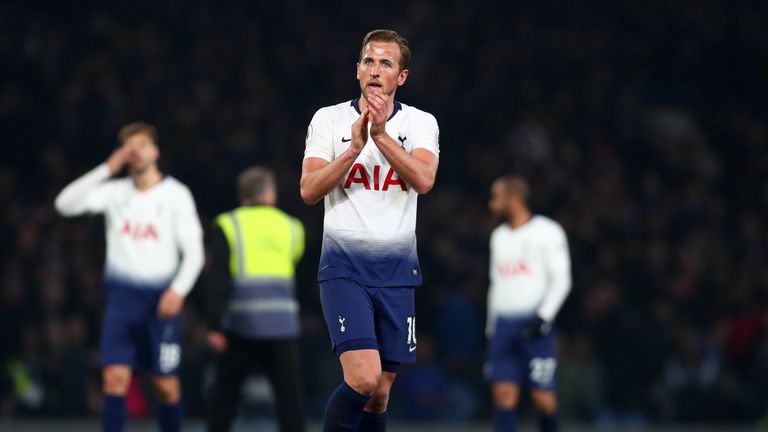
(279, 360)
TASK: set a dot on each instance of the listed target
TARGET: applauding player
(370, 158)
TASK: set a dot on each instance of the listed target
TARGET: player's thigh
(118, 339)
(395, 323)
(506, 394)
(505, 359)
(163, 346)
(541, 362)
(348, 312)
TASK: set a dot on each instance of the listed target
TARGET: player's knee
(364, 383)
(505, 402)
(505, 397)
(115, 381)
(379, 401)
(545, 402)
(167, 389)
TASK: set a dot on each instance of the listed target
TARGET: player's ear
(357, 71)
(402, 77)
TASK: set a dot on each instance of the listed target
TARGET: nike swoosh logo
(345, 140)
(412, 349)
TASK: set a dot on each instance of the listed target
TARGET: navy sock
(169, 417)
(113, 414)
(505, 420)
(549, 423)
(372, 422)
(344, 410)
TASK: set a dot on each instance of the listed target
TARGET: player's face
(144, 152)
(379, 69)
(499, 203)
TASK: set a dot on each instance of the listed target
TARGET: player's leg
(375, 412)
(116, 379)
(169, 410)
(118, 354)
(380, 397)
(232, 368)
(546, 403)
(348, 312)
(506, 397)
(362, 372)
(164, 340)
(281, 364)
(395, 325)
(542, 369)
(505, 369)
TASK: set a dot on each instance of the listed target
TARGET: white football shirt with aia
(369, 231)
(530, 271)
(154, 237)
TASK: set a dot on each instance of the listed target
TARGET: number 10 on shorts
(411, 330)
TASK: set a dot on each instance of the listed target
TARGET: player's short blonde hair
(385, 35)
(136, 128)
(254, 181)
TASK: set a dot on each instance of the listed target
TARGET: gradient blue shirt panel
(390, 263)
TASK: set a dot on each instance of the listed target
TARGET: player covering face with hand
(369, 159)
(154, 255)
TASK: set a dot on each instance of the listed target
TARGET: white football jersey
(530, 270)
(147, 232)
(370, 216)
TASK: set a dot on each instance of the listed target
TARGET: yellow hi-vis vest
(265, 245)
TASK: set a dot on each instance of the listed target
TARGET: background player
(368, 266)
(150, 220)
(252, 309)
(530, 279)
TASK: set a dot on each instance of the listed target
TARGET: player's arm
(87, 194)
(319, 176)
(189, 240)
(418, 168)
(558, 267)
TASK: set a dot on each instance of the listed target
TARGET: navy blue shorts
(368, 317)
(526, 362)
(132, 333)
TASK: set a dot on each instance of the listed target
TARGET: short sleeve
(319, 141)
(427, 134)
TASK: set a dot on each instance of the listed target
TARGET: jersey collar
(356, 105)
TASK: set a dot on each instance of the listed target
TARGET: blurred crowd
(640, 126)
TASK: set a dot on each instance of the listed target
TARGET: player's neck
(363, 104)
(519, 219)
(147, 178)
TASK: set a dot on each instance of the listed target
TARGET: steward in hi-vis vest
(264, 246)
(253, 314)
